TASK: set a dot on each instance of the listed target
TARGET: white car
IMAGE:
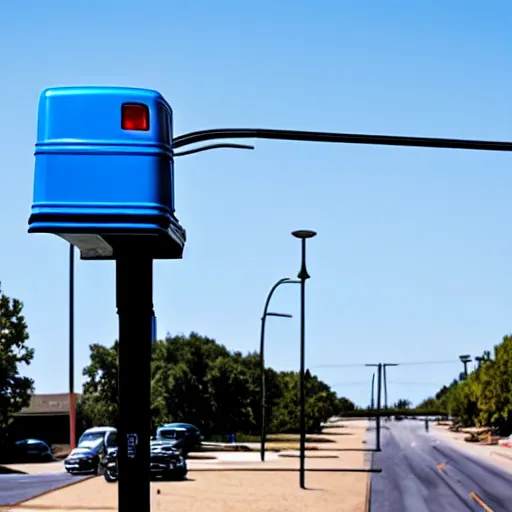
(505, 442)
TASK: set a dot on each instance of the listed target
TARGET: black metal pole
(385, 387)
(72, 405)
(134, 292)
(372, 403)
(303, 276)
(303, 235)
(379, 385)
(263, 390)
(348, 138)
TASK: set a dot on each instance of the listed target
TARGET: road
(422, 473)
(15, 488)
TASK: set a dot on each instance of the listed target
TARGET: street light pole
(72, 405)
(134, 298)
(263, 391)
(303, 235)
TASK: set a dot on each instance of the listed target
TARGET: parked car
(31, 450)
(92, 446)
(506, 442)
(183, 436)
(165, 461)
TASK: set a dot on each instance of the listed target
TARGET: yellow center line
(480, 502)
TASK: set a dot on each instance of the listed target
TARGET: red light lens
(135, 116)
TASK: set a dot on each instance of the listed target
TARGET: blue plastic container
(104, 172)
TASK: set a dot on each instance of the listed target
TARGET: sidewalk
(249, 490)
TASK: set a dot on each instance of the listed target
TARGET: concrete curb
(368, 497)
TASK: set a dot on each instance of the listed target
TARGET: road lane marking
(481, 502)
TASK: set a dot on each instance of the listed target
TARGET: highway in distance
(423, 473)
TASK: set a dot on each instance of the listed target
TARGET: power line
(394, 382)
(405, 363)
(403, 383)
(356, 383)
(449, 361)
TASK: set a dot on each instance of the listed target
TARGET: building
(46, 418)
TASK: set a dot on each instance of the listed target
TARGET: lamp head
(303, 233)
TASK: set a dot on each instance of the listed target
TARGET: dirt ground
(249, 491)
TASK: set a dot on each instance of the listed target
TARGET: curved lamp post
(303, 235)
(266, 313)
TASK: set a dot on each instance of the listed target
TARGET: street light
(285, 280)
(377, 416)
(303, 235)
(465, 359)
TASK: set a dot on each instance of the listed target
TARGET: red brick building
(46, 418)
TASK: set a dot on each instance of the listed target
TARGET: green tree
(198, 381)
(485, 396)
(403, 404)
(344, 406)
(181, 391)
(15, 390)
(321, 403)
(99, 402)
(430, 404)
(230, 392)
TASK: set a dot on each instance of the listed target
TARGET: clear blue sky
(413, 256)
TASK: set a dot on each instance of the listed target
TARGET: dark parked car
(92, 446)
(31, 450)
(183, 436)
(165, 461)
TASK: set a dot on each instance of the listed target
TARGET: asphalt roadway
(423, 473)
(15, 488)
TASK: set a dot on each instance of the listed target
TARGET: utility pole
(377, 415)
(379, 385)
(386, 383)
(465, 359)
(372, 404)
